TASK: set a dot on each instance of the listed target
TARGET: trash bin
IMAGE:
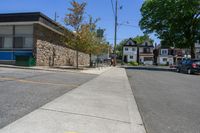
(25, 60)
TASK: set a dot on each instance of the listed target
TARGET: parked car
(189, 66)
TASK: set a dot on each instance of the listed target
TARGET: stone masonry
(49, 54)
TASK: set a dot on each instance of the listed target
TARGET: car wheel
(189, 71)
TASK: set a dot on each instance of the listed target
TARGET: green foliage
(142, 39)
(119, 48)
(84, 38)
(75, 16)
(175, 22)
(132, 63)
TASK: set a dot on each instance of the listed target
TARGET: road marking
(39, 82)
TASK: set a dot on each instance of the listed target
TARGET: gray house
(34, 34)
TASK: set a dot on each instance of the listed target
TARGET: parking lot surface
(22, 91)
(169, 102)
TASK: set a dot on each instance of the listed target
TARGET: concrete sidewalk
(103, 105)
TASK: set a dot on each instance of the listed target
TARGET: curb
(151, 68)
(137, 124)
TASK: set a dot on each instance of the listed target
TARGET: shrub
(133, 63)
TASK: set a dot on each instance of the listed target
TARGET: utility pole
(116, 24)
(55, 17)
(115, 37)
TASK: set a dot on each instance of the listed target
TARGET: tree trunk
(76, 59)
(192, 48)
(90, 60)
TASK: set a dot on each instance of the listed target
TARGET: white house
(165, 57)
(130, 51)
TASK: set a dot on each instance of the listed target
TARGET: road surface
(22, 91)
(169, 102)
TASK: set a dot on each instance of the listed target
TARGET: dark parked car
(189, 66)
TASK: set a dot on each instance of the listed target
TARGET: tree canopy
(175, 22)
(84, 38)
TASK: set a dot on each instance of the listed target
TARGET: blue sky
(97, 8)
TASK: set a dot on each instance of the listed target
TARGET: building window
(131, 57)
(146, 50)
(164, 59)
(133, 49)
(18, 42)
(126, 49)
(1, 42)
(24, 36)
(164, 52)
(6, 42)
(28, 42)
(148, 59)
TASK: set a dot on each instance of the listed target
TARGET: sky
(130, 13)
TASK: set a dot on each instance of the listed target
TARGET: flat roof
(31, 17)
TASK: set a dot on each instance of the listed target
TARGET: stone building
(34, 34)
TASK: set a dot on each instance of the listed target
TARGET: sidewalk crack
(52, 110)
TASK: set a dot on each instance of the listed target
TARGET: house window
(18, 42)
(146, 50)
(164, 52)
(133, 49)
(6, 42)
(148, 59)
(131, 57)
(1, 42)
(164, 59)
(126, 49)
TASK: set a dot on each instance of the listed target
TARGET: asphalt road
(169, 102)
(22, 91)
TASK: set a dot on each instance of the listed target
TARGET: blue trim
(11, 55)
(6, 56)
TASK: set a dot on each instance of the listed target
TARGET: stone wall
(49, 54)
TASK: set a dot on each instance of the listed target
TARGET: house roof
(31, 17)
(131, 43)
(146, 44)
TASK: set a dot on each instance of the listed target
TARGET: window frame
(131, 56)
(23, 42)
(1, 42)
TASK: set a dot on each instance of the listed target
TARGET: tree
(176, 22)
(75, 18)
(119, 48)
(142, 39)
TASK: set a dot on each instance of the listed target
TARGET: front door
(125, 59)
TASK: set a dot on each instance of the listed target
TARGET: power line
(112, 7)
(129, 25)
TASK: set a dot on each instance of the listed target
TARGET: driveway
(22, 91)
(169, 102)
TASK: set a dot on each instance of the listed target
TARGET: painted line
(39, 82)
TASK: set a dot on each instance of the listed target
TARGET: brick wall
(49, 54)
(50, 50)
